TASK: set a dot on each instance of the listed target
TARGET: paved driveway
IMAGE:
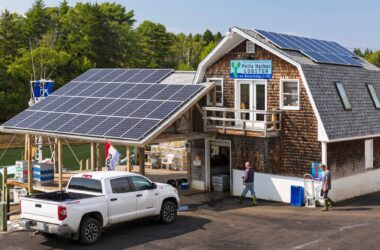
(223, 224)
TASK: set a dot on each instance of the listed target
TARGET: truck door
(123, 201)
(147, 198)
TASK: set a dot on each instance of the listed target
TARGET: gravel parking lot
(223, 224)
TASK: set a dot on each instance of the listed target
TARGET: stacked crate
(21, 173)
(221, 182)
(43, 173)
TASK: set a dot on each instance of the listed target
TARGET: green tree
(208, 37)
(373, 58)
(37, 21)
(154, 46)
(206, 50)
(11, 36)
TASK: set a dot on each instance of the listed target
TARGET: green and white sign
(251, 69)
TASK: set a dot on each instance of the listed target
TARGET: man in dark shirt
(248, 181)
(326, 186)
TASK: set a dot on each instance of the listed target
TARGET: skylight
(343, 96)
(373, 94)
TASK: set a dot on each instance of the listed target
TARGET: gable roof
(334, 123)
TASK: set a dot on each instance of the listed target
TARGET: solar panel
(140, 129)
(121, 90)
(104, 103)
(319, 51)
(89, 124)
(30, 119)
(85, 104)
(41, 122)
(42, 103)
(103, 127)
(18, 118)
(73, 123)
(122, 127)
(146, 109)
(55, 124)
(143, 74)
(127, 75)
(158, 75)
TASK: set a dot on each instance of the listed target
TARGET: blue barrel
(297, 196)
(49, 87)
(36, 89)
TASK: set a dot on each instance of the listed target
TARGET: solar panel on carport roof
(111, 109)
(18, 118)
(318, 50)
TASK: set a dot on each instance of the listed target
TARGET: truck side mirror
(153, 186)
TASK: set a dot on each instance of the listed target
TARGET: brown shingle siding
(298, 146)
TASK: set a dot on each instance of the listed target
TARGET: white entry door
(251, 95)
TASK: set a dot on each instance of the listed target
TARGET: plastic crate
(297, 196)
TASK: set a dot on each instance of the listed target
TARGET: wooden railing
(242, 121)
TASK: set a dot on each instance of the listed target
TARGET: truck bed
(60, 196)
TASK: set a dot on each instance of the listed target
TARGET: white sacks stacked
(220, 182)
(43, 173)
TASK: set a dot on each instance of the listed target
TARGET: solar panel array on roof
(103, 103)
(318, 50)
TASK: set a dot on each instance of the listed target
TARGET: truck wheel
(90, 231)
(168, 212)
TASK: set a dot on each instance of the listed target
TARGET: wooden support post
(6, 193)
(59, 145)
(55, 155)
(142, 160)
(129, 160)
(81, 165)
(30, 177)
(3, 216)
(188, 154)
(92, 157)
(87, 164)
(98, 168)
(191, 121)
(26, 148)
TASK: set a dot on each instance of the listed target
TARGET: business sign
(251, 69)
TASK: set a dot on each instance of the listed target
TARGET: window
(219, 91)
(140, 183)
(368, 149)
(343, 96)
(120, 185)
(85, 184)
(250, 47)
(289, 94)
(373, 94)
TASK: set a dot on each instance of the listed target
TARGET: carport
(126, 107)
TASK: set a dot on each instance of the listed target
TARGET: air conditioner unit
(250, 47)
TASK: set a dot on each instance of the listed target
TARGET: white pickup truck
(95, 200)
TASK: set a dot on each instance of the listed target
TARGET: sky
(352, 23)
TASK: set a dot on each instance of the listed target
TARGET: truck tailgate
(40, 210)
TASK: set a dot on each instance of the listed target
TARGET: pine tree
(37, 21)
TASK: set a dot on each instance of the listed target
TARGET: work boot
(331, 203)
(326, 205)
(241, 199)
(254, 200)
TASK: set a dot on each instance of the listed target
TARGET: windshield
(85, 184)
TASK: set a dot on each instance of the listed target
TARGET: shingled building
(284, 102)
